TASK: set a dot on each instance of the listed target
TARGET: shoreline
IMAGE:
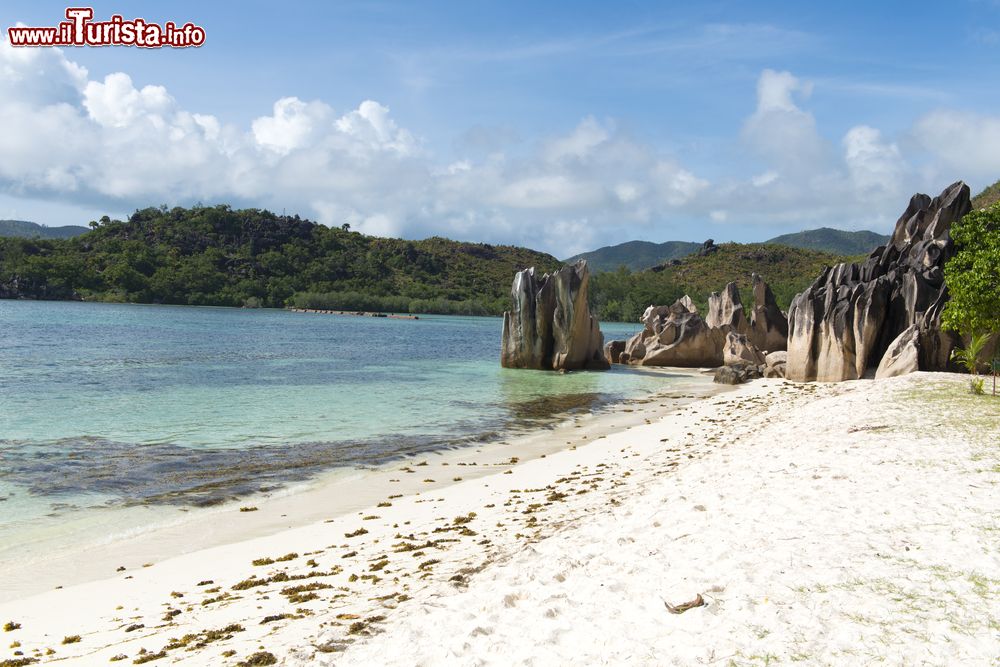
(332, 493)
(850, 522)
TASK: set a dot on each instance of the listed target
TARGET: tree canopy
(973, 274)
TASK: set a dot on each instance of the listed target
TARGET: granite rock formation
(676, 335)
(842, 326)
(550, 326)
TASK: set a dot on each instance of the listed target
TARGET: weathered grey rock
(775, 364)
(740, 350)
(675, 335)
(768, 325)
(725, 311)
(842, 325)
(903, 355)
(736, 373)
(550, 326)
(613, 351)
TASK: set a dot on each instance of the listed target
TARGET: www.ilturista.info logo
(81, 30)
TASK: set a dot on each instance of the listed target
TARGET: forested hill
(29, 230)
(219, 256)
(836, 241)
(623, 295)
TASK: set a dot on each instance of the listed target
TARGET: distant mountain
(987, 197)
(32, 230)
(635, 255)
(835, 241)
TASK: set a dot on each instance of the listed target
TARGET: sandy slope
(854, 523)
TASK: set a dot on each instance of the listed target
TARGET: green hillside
(218, 256)
(635, 255)
(623, 295)
(987, 197)
(835, 241)
(31, 230)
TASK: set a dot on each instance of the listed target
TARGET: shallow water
(107, 406)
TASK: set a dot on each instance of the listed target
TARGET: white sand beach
(852, 523)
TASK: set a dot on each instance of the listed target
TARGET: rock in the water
(903, 355)
(842, 325)
(613, 351)
(740, 350)
(550, 326)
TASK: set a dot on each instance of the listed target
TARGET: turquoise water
(105, 405)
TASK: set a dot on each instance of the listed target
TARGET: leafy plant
(976, 385)
(973, 274)
(969, 355)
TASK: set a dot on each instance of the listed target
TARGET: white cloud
(779, 130)
(116, 145)
(964, 142)
(872, 163)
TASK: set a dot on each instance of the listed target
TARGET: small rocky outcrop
(775, 363)
(845, 323)
(736, 373)
(550, 326)
(675, 335)
(707, 248)
(613, 351)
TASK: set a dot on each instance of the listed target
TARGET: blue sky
(562, 126)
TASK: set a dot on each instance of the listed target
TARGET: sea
(106, 407)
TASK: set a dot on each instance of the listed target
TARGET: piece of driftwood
(684, 606)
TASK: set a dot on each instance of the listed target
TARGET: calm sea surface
(105, 406)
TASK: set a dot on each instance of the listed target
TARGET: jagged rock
(550, 326)
(707, 248)
(613, 351)
(842, 325)
(768, 325)
(675, 335)
(725, 311)
(903, 355)
(739, 349)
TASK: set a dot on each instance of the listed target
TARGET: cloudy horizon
(781, 145)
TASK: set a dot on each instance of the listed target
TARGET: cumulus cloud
(963, 141)
(118, 145)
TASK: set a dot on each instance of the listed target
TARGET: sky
(562, 126)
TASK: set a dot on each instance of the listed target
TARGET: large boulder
(775, 364)
(841, 327)
(550, 326)
(675, 335)
(613, 351)
(903, 355)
